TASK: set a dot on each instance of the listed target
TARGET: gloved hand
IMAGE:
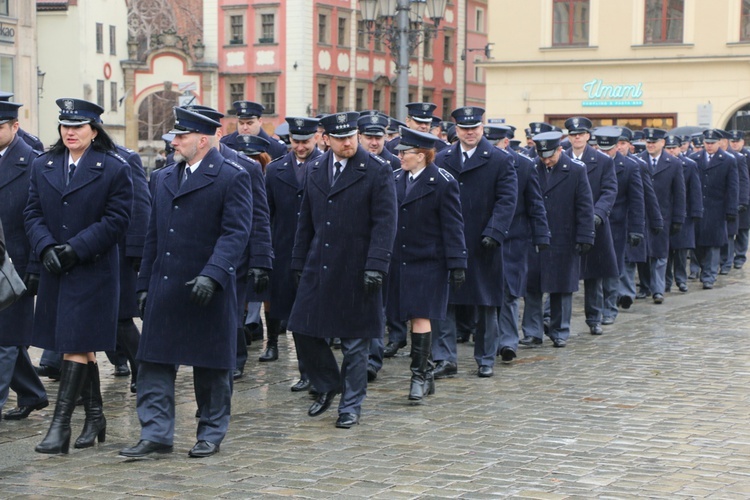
(458, 278)
(373, 281)
(50, 261)
(67, 256)
(540, 247)
(203, 290)
(135, 263)
(260, 278)
(656, 231)
(31, 281)
(489, 243)
(731, 217)
(583, 248)
(742, 208)
(141, 299)
(297, 278)
(597, 221)
(634, 239)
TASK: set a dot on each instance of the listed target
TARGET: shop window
(664, 21)
(570, 22)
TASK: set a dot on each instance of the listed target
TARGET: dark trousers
(17, 373)
(156, 402)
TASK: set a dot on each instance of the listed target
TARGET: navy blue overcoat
(627, 214)
(197, 227)
(685, 238)
(343, 231)
(429, 242)
(652, 214)
(489, 189)
(276, 147)
(669, 187)
(77, 311)
(744, 196)
(720, 186)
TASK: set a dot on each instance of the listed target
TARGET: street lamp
(400, 23)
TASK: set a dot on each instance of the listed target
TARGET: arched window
(155, 115)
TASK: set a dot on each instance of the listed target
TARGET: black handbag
(11, 284)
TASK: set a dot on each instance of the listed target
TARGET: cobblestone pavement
(657, 407)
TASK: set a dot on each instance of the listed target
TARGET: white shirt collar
(194, 166)
(416, 174)
(470, 152)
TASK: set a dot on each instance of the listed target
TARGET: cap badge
(543, 144)
(575, 122)
(243, 105)
(425, 106)
(341, 118)
(68, 104)
(299, 122)
(468, 111)
(374, 119)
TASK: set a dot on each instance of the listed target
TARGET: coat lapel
(90, 168)
(452, 160)
(355, 169)
(11, 171)
(318, 175)
(204, 176)
(480, 157)
(558, 174)
(663, 163)
(423, 185)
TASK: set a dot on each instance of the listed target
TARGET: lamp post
(400, 23)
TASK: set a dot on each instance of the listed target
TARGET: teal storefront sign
(601, 94)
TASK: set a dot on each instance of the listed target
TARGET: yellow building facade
(637, 63)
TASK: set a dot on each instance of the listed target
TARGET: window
(343, 38)
(478, 74)
(664, 21)
(427, 50)
(113, 96)
(4, 11)
(360, 100)
(447, 48)
(322, 28)
(745, 21)
(378, 46)
(99, 38)
(100, 92)
(268, 97)
(340, 98)
(236, 30)
(112, 40)
(479, 24)
(6, 74)
(570, 22)
(361, 35)
(393, 103)
(376, 98)
(267, 28)
(236, 92)
(323, 99)
(447, 107)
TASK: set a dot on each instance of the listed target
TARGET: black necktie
(300, 171)
(466, 157)
(709, 158)
(187, 174)
(336, 172)
(653, 164)
(71, 171)
(409, 183)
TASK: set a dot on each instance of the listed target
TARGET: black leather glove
(634, 239)
(203, 290)
(373, 281)
(135, 263)
(597, 221)
(2, 253)
(50, 261)
(656, 231)
(297, 278)
(260, 278)
(67, 256)
(458, 278)
(731, 217)
(541, 247)
(141, 299)
(31, 281)
(674, 228)
(489, 243)
(583, 248)
(742, 208)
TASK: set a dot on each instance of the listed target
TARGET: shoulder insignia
(396, 171)
(117, 155)
(381, 160)
(232, 163)
(447, 175)
(578, 162)
(281, 142)
(280, 158)
(397, 174)
(525, 156)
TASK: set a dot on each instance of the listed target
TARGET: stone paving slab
(657, 407)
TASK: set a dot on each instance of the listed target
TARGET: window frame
(342, 31)
(113, 104)
(232, 40)
(112, 40)
(270, 107)
(263, 27)
(5, 8)
(664, 23)
(571, 23)
(745, 20)
(99, 38)
(323, 35)
(100, 91)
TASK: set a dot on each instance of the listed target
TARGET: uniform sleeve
(584, 209)
(694, 191)
(608, 192)
(653, 211)
(453, 226)
(536, 211)
(506, 195)
(679, 200)
(732, 188)
(744, 179)
(149, 244)
(305, 231)
(261, 251)
(635, 204)
(382, 220)
(39, 234)
(136, 235)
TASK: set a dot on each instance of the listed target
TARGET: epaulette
(397, 174)
(118, 156)
(276, 159)
(504, 151)
(31, 136)
(381, 160)
(235, 165)
(447, 175)
(395, 171)
(578, 162)
(281, 142)
(525, 156)
(39, 153)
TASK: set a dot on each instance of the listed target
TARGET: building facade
(18, 64)
(639, 63)
(302, 58)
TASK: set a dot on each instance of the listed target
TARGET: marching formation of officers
(341, 236)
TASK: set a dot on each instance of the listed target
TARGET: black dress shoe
(658, 298)
(270, 354)
(302, 384)
(641, 295)
(507, 354)
(462, 338)
(707, 285)
(529, 341)
(322, 403)
(724, 272)
(445, 369)
(559, 342)
(546, 326)
(738, 266)
(47, 371)
(608, 320)
(485, 372)
(122, 371)
(391, 349)
(596, 329)
(683, 287)
(372, 374)
(203, 449)
(22, 412)
(693, 276)
(625, 301)
(145, 448)
(133, 388)
(237, 374)
(346, 420)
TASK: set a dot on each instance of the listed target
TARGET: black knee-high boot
(273, 327)
(95, 425)
(72, 377)
(128, 338)
(422, 382)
